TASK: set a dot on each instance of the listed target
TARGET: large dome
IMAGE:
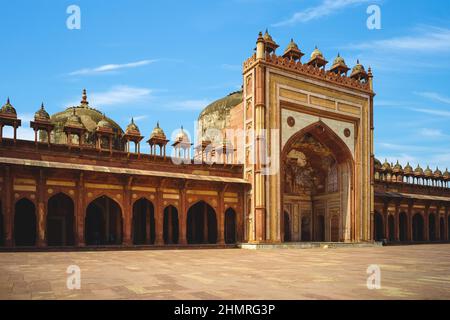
(90, 118)
(217, 116)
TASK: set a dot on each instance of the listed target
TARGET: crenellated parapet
(359, 78)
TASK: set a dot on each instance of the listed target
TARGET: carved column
(221, 218)
(159, 218)
(182, 216)
(397, 222)
(409, 232)
(128, 214)
(80, 241)
(41, 216)
(9, 214)
(426, 225)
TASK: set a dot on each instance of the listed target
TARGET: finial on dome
(7, 101)
(157, 124)
(84, 98)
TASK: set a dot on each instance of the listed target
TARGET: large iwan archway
(103, 224)
(201, 224)
(317, 172)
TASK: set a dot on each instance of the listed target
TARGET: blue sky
(166, 60)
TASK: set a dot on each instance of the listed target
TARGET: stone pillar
(221, 218)
(397, 222)
(182, 217)
(426, 224)
(41, 216)
(80, 212)
(128, 214)
(9, 214)
(409, 229)
(159, 219)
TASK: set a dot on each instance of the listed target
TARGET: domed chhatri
(359, 73)
(41, 114)
(339, 66)
(104, 123)
(292, 51)
(386, 166)
(446, 175)
(182, 136)
(8, 110)
(271, 45)
(158, 132)
(74, 120)
(437, 173)
(408, 169)
(317, 59)
(428, 172)
(418, 171)
(397, 168)
(377, 164)
(132, 128)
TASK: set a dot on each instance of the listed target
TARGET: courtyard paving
(407, 272)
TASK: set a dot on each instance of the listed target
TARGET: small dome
(408, 169)
(428, 172)
(267, 37)
(446, 174)
(316, 54)
(292, 46)
(386, 166)
(159, 133)
(339, 61)
(182, 136)
(377, 164)
(41, 114)
(8, 109)
(358, 68)
(74, 120)
(397, 168)
(418, 171)
(437, 173)
(104, 123)
(132, 128)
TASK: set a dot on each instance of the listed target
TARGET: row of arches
(104, 223)
(318, 233)
(419, 232)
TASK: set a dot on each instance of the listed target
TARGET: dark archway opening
(306, 229)
(60, 221)
(418, 226)
(171, 225)
(320, 228)
(378, 226)
(287, 227)
(230, 226)
(25, 223)
(442, 229)
(432, 227)
(201, 224)
(448, 228)
(143, 222)
(103, 222)
(403, 227)
(391, 227)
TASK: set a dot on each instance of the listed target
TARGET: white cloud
(117, 95)
(434, 112)
(428, 40)
(111, 67)
(326, 8)
(139, 118)
(435, 97)
(431, 133)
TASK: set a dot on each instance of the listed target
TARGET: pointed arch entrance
(143, 222)
(378, 226)
(201, 224)
(230, 226)
(25, 223)
(391, 227)
(403, 227)
(316, 175)
(418, 227)
(60, 221)
(171, 225)
(103, 222)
